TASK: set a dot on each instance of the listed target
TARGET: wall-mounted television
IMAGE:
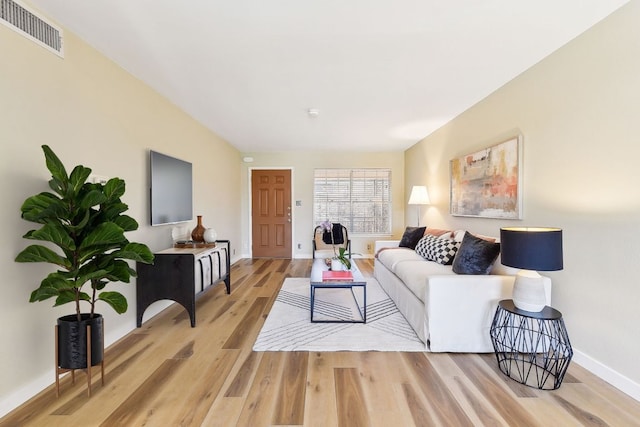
(171, 189)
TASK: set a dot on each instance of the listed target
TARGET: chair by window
(322, 249)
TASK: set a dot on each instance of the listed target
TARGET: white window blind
(359, 199)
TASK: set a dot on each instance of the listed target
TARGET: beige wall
(578, 111)
(302, 165)
(91, 112)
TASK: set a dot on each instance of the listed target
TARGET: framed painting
(487, 183)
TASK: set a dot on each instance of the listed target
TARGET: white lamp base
(528, 291)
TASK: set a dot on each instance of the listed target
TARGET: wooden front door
(271, 213)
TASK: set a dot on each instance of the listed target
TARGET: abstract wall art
(487, 183)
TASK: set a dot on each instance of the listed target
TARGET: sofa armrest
(460, 309)
(448, 286)
(380, 244)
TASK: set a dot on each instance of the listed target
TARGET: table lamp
(419, 196)
(531, 249)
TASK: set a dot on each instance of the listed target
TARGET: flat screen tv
(171, 189)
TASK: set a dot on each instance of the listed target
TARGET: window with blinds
(359, 199)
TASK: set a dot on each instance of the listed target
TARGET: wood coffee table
(358, 281)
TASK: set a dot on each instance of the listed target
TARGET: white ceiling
(382, 73)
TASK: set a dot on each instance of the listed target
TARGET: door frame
(250, 193)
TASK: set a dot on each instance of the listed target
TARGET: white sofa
(449, 312)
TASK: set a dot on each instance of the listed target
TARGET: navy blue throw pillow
(411, 237)
(475, 255)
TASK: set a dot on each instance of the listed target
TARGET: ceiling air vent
(32, 26)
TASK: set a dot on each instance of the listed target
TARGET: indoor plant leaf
(39, 253)
(92, 198)
(113, 209)
(343, 258)
(99, 285)
(68, 296)
(118, 271)
(53, 233)
(52, 286)
(104, 234)
(126, 222)
(81, 223)
(43, 206)
(115, 300)
(93, 275)
(114, 188)
(136, 252)
(42, 294)
(55, 166)
(78, 177)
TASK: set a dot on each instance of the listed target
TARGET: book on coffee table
(337, 276)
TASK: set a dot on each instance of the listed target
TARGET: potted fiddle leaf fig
(83, 225)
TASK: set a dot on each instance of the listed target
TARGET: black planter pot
(72, 341)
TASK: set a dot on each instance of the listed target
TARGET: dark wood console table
(182, 275)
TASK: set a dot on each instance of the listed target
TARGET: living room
(575, 110)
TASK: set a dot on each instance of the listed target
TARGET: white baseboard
(26, 392)
(302, 256)
(602, 371)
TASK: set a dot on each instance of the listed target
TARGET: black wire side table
(532, 348)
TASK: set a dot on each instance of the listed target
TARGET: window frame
(375, 199)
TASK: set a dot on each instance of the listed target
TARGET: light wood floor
(169, 374)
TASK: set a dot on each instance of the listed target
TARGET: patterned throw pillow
(437, 249)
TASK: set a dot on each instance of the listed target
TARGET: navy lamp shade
(531, 249)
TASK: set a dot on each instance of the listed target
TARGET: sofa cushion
(414, 274)
(390, 257)
(411, 237)
(475, 256)
(438, 249)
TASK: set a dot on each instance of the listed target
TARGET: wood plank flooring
(169, 374)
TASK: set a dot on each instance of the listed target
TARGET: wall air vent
(31, 25)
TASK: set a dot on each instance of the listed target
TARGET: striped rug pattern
(288, 326)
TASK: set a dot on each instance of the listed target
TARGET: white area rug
(288, 326)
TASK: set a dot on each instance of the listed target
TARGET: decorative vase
(336, 264)
(72, 340)
(197, 235)
(210, 235)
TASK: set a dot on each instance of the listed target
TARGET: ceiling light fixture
(313, 112)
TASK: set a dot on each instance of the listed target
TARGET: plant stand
(60, 370)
